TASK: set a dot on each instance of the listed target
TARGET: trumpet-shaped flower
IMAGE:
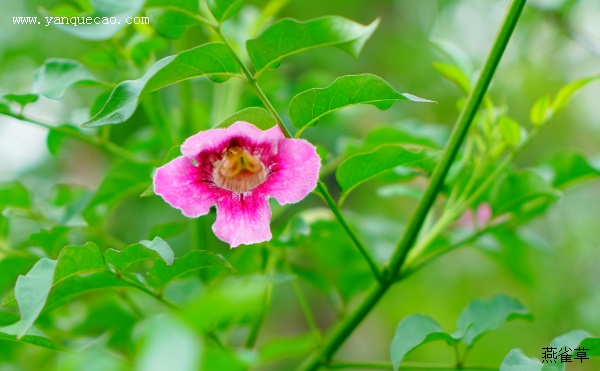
(238, 169)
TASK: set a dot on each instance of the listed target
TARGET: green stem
(341, 332)
(308, 315)
(359, 245)
(256, 326)
(151, 293)
(252, 82)
(107, 147)
(457, 137)
(413, 267)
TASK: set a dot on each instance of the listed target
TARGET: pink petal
(185, 187)
(295, 173)
(243, 219)
(218, 139)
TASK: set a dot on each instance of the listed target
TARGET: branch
(347, 326)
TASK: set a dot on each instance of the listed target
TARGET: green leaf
(155, 249)
(72, 260)
(309, 106)
(565, 343)
(32, 336)
(162, 274)
(76, 259)
(359, 168)
(257, 116)
(413, 331)
(570, 340)
(482, 316)
(454, 74)
(31, 292)
(21, 99)
(289, 36)
(510, 130)
(206, 60)
(571, 167)
(76, 285)
(541, 111)
(171, 18)
(104, 9)
(13, 194)
(516, 360)
(518, 188)
(567, 92)
(224, 9)
(56, 76)
(593, 346)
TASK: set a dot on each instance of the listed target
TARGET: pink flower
(238, 169)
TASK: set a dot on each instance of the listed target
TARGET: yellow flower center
(239, 171)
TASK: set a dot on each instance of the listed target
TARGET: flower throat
(239, 171)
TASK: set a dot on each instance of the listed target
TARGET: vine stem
(341, 332)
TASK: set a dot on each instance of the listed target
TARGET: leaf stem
(341, 332)
(150, 293)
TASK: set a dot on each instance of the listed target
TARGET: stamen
(239, 171)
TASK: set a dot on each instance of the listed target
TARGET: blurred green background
(554, 271)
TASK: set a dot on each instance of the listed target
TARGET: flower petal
(218, 139)
(243, 219)
(184, 187)
(295, 172)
